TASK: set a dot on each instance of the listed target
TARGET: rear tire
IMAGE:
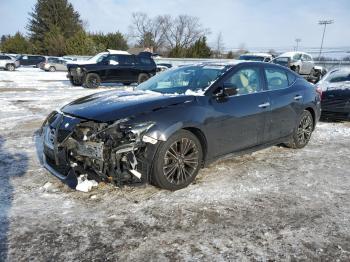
(52, 69)
(92, 80)
(142, 78)
(302, 133)
(177, 161)
(10, 67)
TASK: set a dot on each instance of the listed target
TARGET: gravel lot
(275, 204)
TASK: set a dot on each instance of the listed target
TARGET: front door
(241, 118)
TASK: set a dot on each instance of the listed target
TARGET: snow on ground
(277, 204)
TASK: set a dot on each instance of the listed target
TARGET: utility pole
(324, 23)
(297, 40)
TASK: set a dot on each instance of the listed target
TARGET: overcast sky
(255, 23)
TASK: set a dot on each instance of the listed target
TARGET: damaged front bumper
(115, 152)
(70, 179)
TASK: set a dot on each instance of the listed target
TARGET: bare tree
(165, 32)
(147, 31)
(219, 46)
(182, 31)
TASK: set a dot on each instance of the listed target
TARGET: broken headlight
(138, 130)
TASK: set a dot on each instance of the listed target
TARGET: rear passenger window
(276, 78)
(126, 59)
(145, 61)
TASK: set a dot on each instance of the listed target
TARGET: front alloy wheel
(181, 161)
(177, 161)
(92, 80)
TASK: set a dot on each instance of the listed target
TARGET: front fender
(164, 134)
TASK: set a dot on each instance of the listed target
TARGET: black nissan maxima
(170, 126)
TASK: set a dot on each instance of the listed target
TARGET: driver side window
(245, 81)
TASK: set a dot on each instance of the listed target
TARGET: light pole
(325, 23)
(297, 40)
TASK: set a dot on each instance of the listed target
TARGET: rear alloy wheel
(10, 67)
(302, 133)
(52, 69)
(178, 161)
(92, 80)
(142, 78)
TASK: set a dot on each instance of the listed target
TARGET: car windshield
(339, 76)
(179, 80)
(98, 58)
(251, 58)
(296, 57)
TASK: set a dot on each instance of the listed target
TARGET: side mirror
(226, 90)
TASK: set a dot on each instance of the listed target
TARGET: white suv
(300, 62)
(8, 63)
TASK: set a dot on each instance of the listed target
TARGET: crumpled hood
(112, 105)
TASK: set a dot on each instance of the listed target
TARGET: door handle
(264, 105)
(298, 97)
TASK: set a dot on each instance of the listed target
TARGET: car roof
(258, 54)
(292, 53)
(232, 63)
(118, 52)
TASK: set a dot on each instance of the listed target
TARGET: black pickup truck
(112, 66)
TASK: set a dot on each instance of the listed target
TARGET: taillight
(319, 91)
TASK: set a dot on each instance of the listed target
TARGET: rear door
(3, 60)
(240, 119)
(286, 98)
(24, 60)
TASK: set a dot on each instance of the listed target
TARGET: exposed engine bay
(111, 152)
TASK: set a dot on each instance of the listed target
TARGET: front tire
(302, 133)
(297, 70)
(52, 69)
(75, 82)
(92, 80)
(177, 161)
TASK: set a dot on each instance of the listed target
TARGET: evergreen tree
(80, 44)
(178, 52)
(199, 49)
(49, 15)
(114, 41)
(17, 44)
(230, 55)
(54, 42)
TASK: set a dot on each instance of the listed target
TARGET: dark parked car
(335, 88)
(31, 60)
(178, 121)
(259, 57)
(112, 66)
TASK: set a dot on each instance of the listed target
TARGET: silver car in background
(8, 62)
(53, 64)
(300, 62)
